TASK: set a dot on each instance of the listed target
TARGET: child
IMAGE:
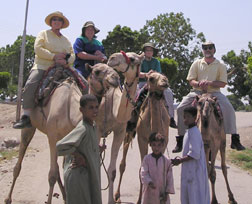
(82, 160)
(156, 173)
(194, 177)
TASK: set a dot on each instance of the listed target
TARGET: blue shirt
(148, 65)
(82, 44)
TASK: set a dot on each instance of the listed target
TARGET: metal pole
(21, 67)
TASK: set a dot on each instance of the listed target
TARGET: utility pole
(21, 67)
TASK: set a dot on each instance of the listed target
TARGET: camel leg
(126, 143)
(62, 189)
(212, 175)
(117, 141)
(224, 171)
(143, 147)
(53, 175)
(26, 137)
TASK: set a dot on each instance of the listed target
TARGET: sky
(225, 22)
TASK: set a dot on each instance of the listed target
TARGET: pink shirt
(160, 173)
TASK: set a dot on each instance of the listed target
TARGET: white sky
(225, 22)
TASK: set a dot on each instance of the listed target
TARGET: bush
(4, 79)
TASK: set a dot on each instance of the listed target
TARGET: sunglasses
(207, 47)
(57, 19)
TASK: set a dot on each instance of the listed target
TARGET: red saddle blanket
(52, 78)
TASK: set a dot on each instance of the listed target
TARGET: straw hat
(208, 43)
(57, 14)
(91, 23)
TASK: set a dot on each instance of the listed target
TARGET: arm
(204, 84)
(71, 142)
(169, 180)
(86, 56)
(145, 176)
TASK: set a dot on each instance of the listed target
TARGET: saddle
(52, 78)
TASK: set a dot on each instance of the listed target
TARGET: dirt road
(32, 185)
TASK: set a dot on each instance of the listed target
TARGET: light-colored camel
(58, 118)
(116, 106)
(211, 126)
(153, 117)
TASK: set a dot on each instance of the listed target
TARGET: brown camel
(58, 118)
(211, 126)
(116, 106)
(153, 117)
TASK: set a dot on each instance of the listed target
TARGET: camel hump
(55, 76)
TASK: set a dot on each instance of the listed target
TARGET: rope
(104, 143)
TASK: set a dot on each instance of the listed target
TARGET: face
(148, 52)
(90, 111)
(156, 147)
(56, 23)
(208, 51)
(90, 32)
(189, 119)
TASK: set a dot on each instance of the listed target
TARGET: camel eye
(97, 72)
(151, 79)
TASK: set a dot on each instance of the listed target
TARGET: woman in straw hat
(50, 47)
(88, 49)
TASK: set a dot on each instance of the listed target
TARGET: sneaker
(24, 122)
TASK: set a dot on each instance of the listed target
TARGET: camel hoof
(7, 201)
(232, 201)
(117, 197)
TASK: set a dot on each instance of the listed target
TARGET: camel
(58, 118)
(211, 126)
(116, 107)
(153, 117)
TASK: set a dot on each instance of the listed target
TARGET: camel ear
(89, 67)
(215, 98)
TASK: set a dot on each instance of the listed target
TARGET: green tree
(239, 79)
(4, 79)
(169, 68)
(10, 57)
(236, 102)
(123, 38)
(176, 39)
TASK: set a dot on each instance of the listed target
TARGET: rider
(51, 47)
(150, 64)
(208, 75)
(88, 49)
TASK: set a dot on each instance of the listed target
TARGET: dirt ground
(32, 186)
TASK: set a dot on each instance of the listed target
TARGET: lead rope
(104, 143)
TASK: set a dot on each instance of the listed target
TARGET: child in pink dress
(156, 173)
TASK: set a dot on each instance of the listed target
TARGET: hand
(60, 62)
(78, 161)
(151, 185)
(204, 85)
(176, 161)
(59, 56)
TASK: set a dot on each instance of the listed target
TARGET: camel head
(102, 78)
(157, 82)
(205, 105)
(126, 63)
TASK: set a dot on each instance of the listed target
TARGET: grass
(8, 154)
(242, 159)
